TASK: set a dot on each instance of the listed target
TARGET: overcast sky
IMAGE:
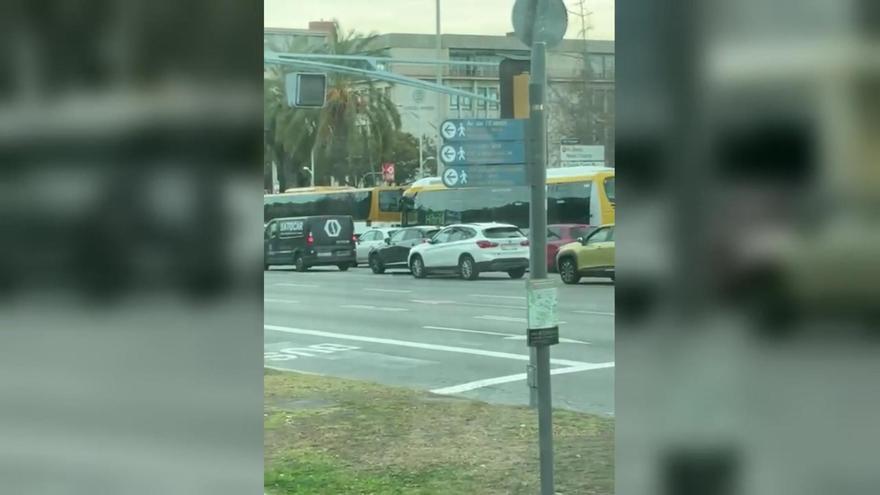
(417, 16)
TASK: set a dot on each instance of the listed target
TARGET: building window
(597, 67)
(493, 93)
(481, 104)
(457, 102)
(609, 66)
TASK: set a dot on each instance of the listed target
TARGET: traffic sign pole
(540, 352)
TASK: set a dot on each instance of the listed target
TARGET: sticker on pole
(542, 307)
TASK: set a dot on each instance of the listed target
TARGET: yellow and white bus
(574, 195)
(371, 207)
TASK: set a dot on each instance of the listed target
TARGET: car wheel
(343, 267)
(417, 267)
(467, 268)
(376, 265)
(300, 263)
(518, 273)
(568, 271)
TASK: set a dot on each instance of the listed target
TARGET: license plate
(508, 247)
(324, 255)
(343, 253)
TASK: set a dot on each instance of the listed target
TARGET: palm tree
(357, 119)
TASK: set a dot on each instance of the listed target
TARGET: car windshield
(554, 233)
(581, 231)
(502, 233)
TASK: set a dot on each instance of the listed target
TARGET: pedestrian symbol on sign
(461, 156)
(463, 177)
(460, 130)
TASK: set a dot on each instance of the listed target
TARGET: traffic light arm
(374, 74)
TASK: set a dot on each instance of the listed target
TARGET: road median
(330, 435)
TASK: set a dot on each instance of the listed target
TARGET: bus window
(569, 203)
(609, 188)
(389, 200)
(361, 205)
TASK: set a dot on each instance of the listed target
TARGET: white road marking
(476, 305)
(371, 308)
(287, 284)
(602, 313)
(488, 382)
(276, 368)
(561, 340)
(288, 301)
(518, 298)
(397, 291)
(513, 319)
(463, 330)
(416, 345)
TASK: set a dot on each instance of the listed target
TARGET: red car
(560, 234)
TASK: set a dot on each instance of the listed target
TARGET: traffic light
(514, 88)
(306, 90)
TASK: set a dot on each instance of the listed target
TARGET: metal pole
(312, 158)
(421, 152)
(439, 47)
(540, 353)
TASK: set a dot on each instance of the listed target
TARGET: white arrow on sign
(448, 129)
(561, 339)
(447, 153)
(450, 177)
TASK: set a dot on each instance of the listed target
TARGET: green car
(590, 256)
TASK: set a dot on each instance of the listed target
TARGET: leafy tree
(353, 130)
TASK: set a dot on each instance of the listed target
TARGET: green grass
(333, 436)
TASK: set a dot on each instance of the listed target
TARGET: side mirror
(388, 241)
(582, 240)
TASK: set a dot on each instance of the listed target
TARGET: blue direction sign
(462, 130)
(483, 153)
(484, 176)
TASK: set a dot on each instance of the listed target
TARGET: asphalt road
(446, 335)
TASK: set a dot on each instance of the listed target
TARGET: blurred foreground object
(748, 151)
(130, 316)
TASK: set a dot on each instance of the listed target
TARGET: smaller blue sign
(485, 176)
(464, 130)
(483, 153)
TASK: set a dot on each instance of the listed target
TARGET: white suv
(468, 249)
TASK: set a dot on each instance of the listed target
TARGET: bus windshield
(609, 188)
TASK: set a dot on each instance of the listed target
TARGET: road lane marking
(463, 330)
(476, 305)
(602, 313)
(371, 308)
(518, 298)
(416, 345)
(288, 301)
(287, 284)
(488, 382)
(512, 319)
(396, 291)
(562, 340)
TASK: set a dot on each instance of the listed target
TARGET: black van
(310, 241)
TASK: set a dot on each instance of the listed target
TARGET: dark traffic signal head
(306, 90)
